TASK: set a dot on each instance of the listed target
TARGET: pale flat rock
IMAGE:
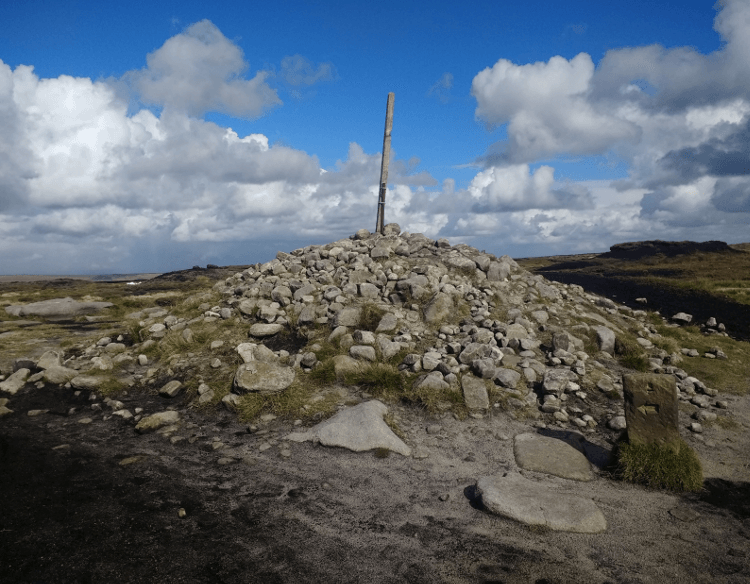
(261, 377)
(529, 502)
(156, 421)
(552, 456)
(265, 330)
(87, 382)
(57, 307)
(359, 428)
(15, 381)
(475, 392)
(59, 375)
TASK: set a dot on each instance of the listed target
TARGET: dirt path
(105, 507)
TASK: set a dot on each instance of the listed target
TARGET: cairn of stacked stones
(462, 319)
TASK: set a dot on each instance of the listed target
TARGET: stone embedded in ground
(171, 389)
(15, 381)
(475, 392)
(556, 380)
(552, 456)
(433, 381)
(344, 364)
(260, 330)
(651, 410)
(359, 428)
(439, 308)
(263, 378)
(682, 318)
(156, 421)
(511, 495)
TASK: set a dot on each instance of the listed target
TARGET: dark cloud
(716, 157)
(731, 196)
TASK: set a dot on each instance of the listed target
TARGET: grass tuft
(658, 466)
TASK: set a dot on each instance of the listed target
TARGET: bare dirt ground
(91, 503)
(88, 503)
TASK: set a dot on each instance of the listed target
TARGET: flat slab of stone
(532, 503)
(475, 392)
(552, 456)
(156, 421)
(56, 308)
(359, 428)
(261, 377)
(261, 330)
(15, 381)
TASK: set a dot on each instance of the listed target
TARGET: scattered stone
(260, 330)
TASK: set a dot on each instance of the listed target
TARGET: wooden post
(380, 223)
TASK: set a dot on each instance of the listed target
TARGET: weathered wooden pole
(380, 223)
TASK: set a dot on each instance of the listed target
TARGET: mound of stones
(452, 317)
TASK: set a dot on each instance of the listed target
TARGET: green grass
(731, 375)
(658, 466)
(370, 317)
(630, 354)
(290, 403)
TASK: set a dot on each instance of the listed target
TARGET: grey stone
(260, 330)
(349, 317)
(432, 381)
(263, 378)
(363, 352)
(59, 375)
(556, 380)
(552, 456)
(475, 392)
(156, 421)
(49, 359)
(15, 381)
(359, 428)
(498, 271)
(86, 382)
(510, 495)
(682, 318)
(344, 364)
(391, 229)
(484, 368)
(605, 338)
(171, 389)
(388, 323)
(439, 308)
(474, 351)
(506, 377)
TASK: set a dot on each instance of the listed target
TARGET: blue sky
(155, 137)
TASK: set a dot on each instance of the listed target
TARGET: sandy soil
(99, 503)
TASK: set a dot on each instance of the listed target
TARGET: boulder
(57, 375)
(552, 456)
